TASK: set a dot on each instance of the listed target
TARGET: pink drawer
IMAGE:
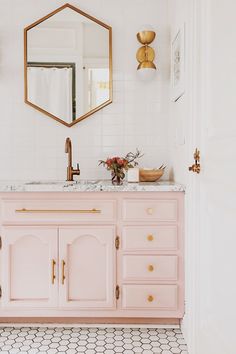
(149, 268)
(150, 297)
(150, 209)
(58, 210)
(150, 238)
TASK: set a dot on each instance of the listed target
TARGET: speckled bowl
(150, 175)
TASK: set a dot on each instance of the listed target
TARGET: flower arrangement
(118, 165)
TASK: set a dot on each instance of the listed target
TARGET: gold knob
(150, 237)
(150, 268)
(150, 298)
(149, 211)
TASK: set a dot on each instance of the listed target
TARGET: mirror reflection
(68, 65)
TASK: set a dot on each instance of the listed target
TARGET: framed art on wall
(178, 64)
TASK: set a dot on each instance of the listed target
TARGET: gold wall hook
(196, 167)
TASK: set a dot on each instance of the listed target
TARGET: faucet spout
(68, 150)
(70, 170)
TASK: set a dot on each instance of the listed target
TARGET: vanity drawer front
(150, 209)
(150, 238)
(150, 297)
(59, 210)
(136, 267)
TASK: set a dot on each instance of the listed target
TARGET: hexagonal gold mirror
(68, 65)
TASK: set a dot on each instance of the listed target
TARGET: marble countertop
(88, 186)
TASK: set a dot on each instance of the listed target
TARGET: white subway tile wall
(32, 145)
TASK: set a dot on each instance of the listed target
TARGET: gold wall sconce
(145, 55)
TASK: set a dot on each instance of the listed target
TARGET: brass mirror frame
(26, 29)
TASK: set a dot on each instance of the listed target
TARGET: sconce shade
(146, 74)
(146, 37)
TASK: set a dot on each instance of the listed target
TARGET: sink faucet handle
(78, 166)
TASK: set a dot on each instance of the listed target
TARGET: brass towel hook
(196, 167)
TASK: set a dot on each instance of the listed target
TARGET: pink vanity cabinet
(92, 254)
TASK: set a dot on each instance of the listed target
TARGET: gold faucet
(70, 170)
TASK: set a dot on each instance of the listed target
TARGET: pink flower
(109, 162)
(120, 162)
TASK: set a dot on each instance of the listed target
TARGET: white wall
(32, 145)
(179, 135)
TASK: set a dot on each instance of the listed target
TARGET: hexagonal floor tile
(91, 340)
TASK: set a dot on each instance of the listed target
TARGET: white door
(87, 267)
(29, 268)
(213, 255)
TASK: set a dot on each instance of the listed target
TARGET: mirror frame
(26, 29)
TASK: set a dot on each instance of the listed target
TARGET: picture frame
(178, 64)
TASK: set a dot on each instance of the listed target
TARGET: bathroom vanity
(92, 250)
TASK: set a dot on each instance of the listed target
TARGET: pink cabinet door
(87, 267)
(29, 262)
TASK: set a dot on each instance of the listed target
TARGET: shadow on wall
(171, 174)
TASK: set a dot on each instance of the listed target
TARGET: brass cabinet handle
(117, 292)
(53, 271)
(150, 298)
(150, 268)
(150, 237)
(63, 277)
(66, 211)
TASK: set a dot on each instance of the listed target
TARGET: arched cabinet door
(87, 267)
(29, 265)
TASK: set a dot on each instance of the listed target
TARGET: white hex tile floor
(45, 340)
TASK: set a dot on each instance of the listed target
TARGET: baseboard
(66, 321)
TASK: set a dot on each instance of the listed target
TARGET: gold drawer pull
(150, 268)
(150, 298)
(63, 277)
(150, 237)
(53, 271)
(66, 211)
(149, 211)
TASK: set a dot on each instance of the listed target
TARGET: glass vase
(116, 179)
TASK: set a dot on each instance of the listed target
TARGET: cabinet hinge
(0, 291)
(117, 242)
(117, 292)
(0, 242)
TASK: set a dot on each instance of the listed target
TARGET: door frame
(196, 130)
